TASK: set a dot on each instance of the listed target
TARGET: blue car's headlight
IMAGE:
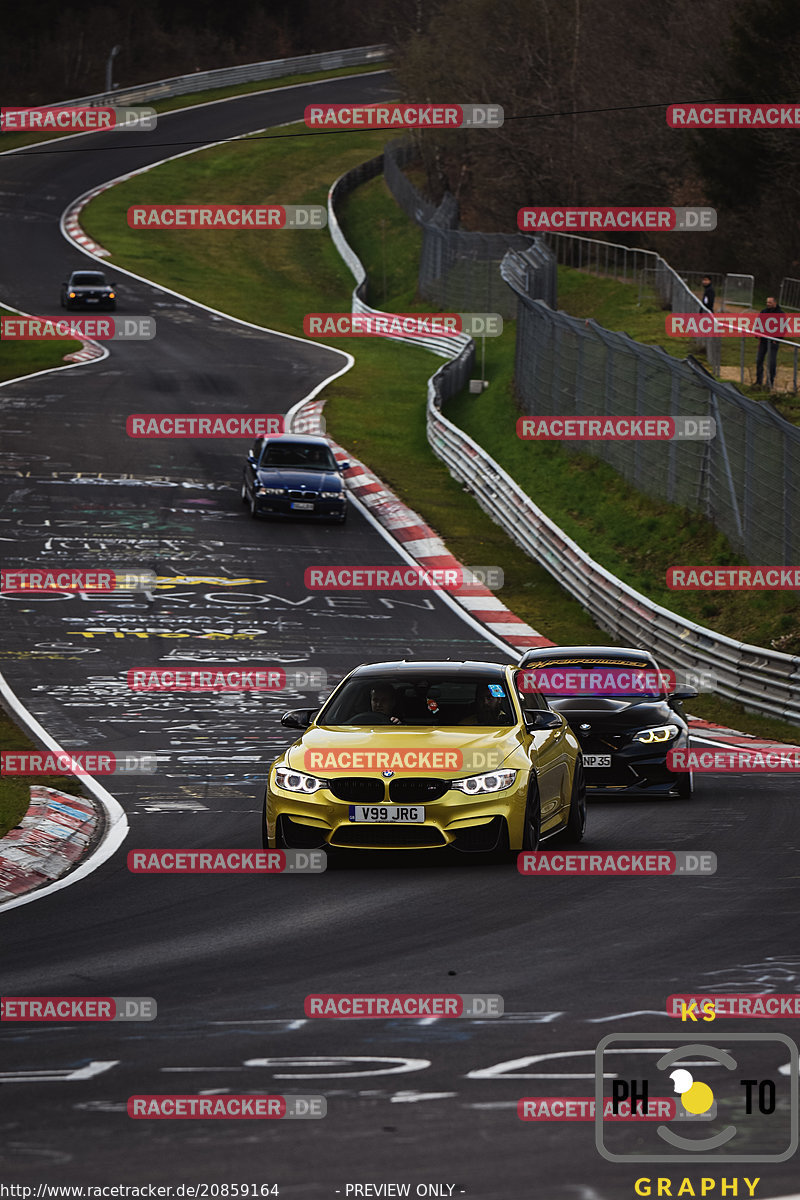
(332, 495)
(491, 781)
(265, 491)
(297, 781)
(658, 733)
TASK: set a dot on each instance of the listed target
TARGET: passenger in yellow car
(491, 707)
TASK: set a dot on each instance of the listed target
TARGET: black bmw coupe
(626, 712)
(294, 476)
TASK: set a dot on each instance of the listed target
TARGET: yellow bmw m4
(418, 755)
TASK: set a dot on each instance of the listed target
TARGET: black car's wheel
(264, 839)
(533, 818)
(576, 822)
(685, 786)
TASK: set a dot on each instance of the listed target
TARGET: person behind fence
(709, 295)
(768, 348)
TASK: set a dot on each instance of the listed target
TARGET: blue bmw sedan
(294, 476)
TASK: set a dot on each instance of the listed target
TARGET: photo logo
(605, 681)
(403, 116)
(681, 220)
(741, 1004)
(227, 216)
(96, 329)
(737, 1101)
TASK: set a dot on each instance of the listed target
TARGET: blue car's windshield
(297, 455)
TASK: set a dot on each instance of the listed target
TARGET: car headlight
(265, 491)
(659, 733)
(491, 781)
(72, 295)
(296, 781)
(111, 296)
(332, 495)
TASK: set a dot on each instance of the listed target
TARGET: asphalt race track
(230, 958)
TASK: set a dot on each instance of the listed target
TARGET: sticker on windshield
(495, 689)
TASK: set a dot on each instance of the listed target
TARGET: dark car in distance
(293, 475)
(88, 289)
(625, 732)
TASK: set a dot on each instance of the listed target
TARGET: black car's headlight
(111, 296)
(265, 491)
(490, 781)
(658, 733)
(297, 781)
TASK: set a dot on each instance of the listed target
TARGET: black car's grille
(298, 495)
(385, 837)
(417, 791)
(356, 790)
(594, 743)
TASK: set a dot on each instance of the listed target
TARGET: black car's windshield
(297, 455)
(87, 278)
(436, 700)
(620, 679)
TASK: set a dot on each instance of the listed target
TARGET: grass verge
(24, 358)
(15, 793)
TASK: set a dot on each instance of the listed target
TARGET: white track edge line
(117, 827)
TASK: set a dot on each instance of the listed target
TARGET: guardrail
(201, 81)
(763, 680)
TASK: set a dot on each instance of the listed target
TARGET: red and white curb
(74, 230)
(52, 837)
(418, 540)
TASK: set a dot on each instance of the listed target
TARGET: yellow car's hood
(477, 749)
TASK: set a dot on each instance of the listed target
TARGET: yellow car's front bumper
(468, 822)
